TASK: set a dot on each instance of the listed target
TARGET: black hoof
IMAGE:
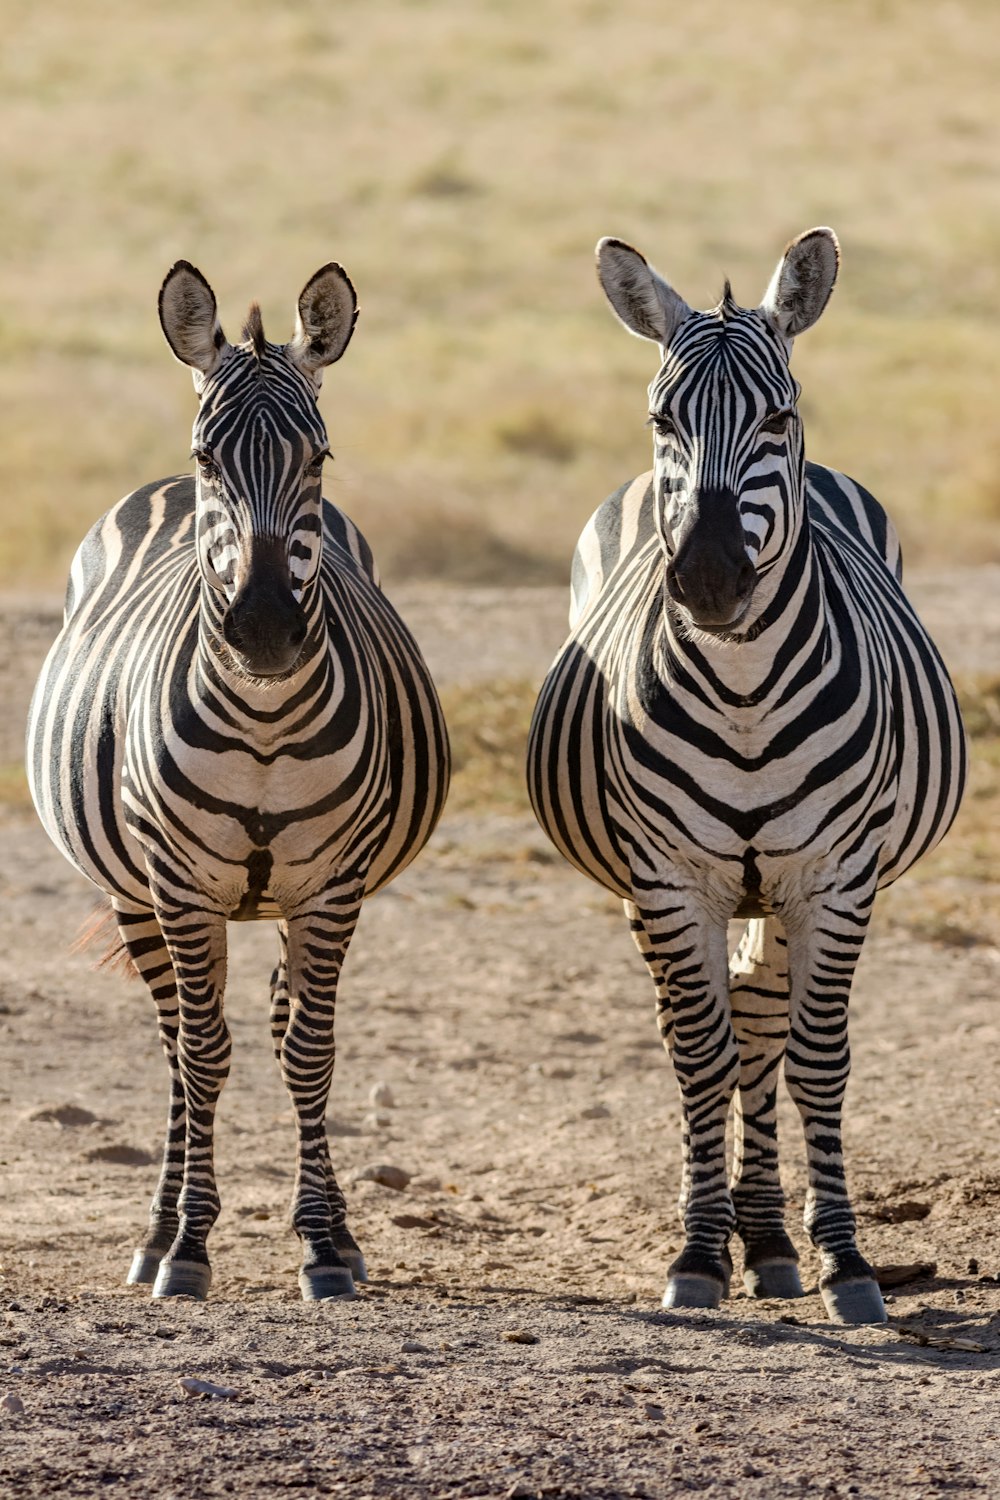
(858, 1301)
(688, 1289)
(144, 1268)
(347, 1248)
(773, 1278)
(326, 1283)
(183, 1278)
(355, 1263)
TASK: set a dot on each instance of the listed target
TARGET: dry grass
(461, 161)
(488, 728)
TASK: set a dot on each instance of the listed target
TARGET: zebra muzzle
(265, 627)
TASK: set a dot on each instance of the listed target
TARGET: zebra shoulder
(840, 505)
(617, 528)
(341, 531)
(156, 519)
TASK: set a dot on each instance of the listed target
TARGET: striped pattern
(781, 767)
(196, 780)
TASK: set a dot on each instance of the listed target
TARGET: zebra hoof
(327, 1283)
(183, 1278)
(355, 1263)
(690, 1290)
(773, 1278)
(857, 1301)
(144, 1268)
(347, 1248)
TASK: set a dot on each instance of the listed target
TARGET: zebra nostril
(674, 587)
(231, 631)
(297, 633)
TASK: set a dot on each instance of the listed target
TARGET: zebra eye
(662, 426)
(205, 461)
(777, 422)
(314, 467)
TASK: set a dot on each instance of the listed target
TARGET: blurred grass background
(461, 160)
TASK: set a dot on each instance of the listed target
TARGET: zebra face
(728, 448)
(728, 463)
(259, 444)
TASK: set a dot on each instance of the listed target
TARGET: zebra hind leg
(343, 1240)
(143, 942)
(758, 991)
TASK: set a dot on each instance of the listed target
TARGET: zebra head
(729, 460)
(259, 443)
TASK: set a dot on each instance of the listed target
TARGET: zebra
(748, 721)
(234, 724)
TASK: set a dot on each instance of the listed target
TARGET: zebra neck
(791, 628)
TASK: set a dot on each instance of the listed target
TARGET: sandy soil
(510, 1342)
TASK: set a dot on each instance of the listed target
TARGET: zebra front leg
(758, 995)
(196, 942)
(685, 952)
(317, 943)
(143, 940)
(824, 945)
(344, 1242)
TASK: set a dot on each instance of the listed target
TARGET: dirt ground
(510, 1342)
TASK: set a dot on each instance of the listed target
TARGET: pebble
(193, 1387)
(381, 1172)
(519, 1336)
(13, 1404)
(381, 1096)
(376, 1119)
(413, 1346)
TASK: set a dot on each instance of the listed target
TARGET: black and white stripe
(235, 724)
(747, 720)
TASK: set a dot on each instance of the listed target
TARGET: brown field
(461, 161)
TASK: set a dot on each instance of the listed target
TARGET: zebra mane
(253, 331)
(727, 306)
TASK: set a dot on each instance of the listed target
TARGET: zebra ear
(324, 321)
(641, 299)
(190, 320)
(802, 282)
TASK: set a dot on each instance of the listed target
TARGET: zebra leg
(196, 941)
(758, 996)
(345, 1243)
(687, 959)
(143, 940)
(823, 951)
(317, 943)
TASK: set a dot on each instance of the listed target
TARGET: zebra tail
(102, 927)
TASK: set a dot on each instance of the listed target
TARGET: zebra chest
(255, 831)
(716, 785)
